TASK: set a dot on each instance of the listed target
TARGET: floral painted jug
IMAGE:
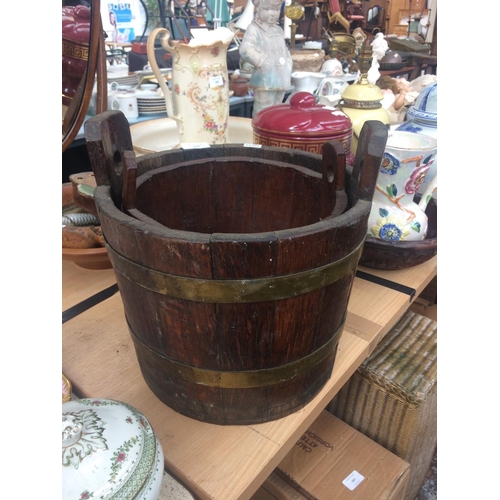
(199, 100)
(421, 118)
(395, 216)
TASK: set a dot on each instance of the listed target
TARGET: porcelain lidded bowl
(109, 451)
(423, 113)
(302, 124)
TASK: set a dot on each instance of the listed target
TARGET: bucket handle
(333, 163)
(108, 138)
(369, 155)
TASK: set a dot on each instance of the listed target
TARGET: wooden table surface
(217, 462)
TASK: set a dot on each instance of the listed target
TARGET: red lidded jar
(302, 124)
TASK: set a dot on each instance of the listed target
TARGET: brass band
(234, 291)
(244, 378)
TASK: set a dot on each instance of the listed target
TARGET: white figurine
(380, 47)
(264, 51)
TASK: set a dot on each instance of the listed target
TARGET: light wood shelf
(217, 462)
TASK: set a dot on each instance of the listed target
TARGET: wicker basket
(392, 397)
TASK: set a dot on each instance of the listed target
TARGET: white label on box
(353, 480)
(216, 81)
(248, 145)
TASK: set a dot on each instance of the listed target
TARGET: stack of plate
(131, 79)
(150, 102)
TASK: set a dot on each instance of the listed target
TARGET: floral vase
(199, 100)
(422, 119)
(394, 215)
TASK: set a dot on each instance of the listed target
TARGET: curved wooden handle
(369, 154)
(108, 138)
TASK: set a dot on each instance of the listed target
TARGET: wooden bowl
(88, 258)
(387, 255)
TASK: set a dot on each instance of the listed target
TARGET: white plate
(161, 134)
(151, 108)
(151, 102)
(150, 72)
(154, 111)
(149, 94)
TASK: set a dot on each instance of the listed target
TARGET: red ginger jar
(302, 124)
(75, 48)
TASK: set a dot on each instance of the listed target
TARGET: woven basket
(392, 397)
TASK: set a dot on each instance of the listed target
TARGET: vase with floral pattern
(199, 99)
(394, 215)
(421, 118)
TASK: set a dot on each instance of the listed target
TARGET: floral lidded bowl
(109, 452)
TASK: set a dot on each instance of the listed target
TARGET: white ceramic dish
(312, 45)
(109, 451)
(161, 134)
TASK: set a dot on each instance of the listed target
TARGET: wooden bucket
(234, 264)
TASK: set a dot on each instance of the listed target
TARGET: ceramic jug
(394, 215)
(306, 81)
(199, 100)
(330, 90)
(422, 119)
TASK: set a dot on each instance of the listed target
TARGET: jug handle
(426, 197)
(156, 70)
(324, 82)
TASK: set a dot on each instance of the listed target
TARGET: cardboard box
(333, 461)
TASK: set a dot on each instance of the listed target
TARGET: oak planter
(235, 265)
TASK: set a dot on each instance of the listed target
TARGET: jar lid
(109, 449)
(362, 92)
(425, 107)
(302, 117)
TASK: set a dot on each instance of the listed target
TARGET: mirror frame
(96, 63)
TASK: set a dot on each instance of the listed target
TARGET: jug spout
(306, 81)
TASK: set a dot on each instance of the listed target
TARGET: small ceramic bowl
(109, 450)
